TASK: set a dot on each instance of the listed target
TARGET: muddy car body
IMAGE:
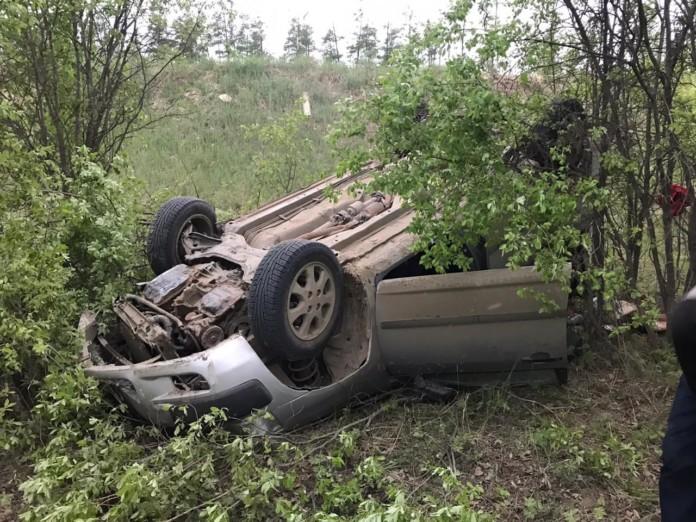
(234, 325)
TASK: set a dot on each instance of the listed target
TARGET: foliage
(282, 161)
(685, 113)
(572, 451)
(223, 30)
(443, 132)
(446, 133)
(330, 50)
(391, 42)
(207, 470)
(299, 41)
(157, 25)
(364, 46)
(34, 273)
(66, 243)
(79, 72)
(189, 29)
(250, 37)
(633, 91)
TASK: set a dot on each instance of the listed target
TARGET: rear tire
(165, 248)
(295, 298)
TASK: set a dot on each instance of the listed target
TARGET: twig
(201, 505)
(396, 437)
(333, 435)
(536, 403)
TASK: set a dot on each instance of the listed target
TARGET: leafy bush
(65, 244)
(283, 160)
(444, 132)
(104, 470)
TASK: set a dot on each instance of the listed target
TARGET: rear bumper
(237, 378)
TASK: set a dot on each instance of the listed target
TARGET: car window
(412, 266)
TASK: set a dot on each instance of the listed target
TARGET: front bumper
(238, 381)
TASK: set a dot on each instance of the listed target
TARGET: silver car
(308, 302)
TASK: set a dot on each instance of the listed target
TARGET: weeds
(599, 455)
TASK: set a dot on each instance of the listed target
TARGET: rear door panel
(470, 322)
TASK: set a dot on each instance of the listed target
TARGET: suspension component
(304, 372)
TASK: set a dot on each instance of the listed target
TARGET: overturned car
(308, 302)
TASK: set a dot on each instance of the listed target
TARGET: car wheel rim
(187, 244)
(311, 301)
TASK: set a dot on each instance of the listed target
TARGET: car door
(470, 322)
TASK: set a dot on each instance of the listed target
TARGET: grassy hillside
(202, 149)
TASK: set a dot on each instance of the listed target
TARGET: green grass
(201, 150)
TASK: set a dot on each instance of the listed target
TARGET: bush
(65, 244)
(108, 471)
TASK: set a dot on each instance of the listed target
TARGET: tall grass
(201, 150)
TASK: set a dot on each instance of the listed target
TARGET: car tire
(295, 298)
(165, 247)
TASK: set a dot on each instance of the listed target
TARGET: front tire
(168, 243)
(295, 298)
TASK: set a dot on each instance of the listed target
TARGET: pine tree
(157, 26)
(190, 31)
(257, 35)
(364, 47)
(223, 30)
(391, 41)
(240, 42)
(248, 40)
(330, 50)
(300, 40)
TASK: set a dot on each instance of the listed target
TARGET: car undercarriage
(304, 303)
